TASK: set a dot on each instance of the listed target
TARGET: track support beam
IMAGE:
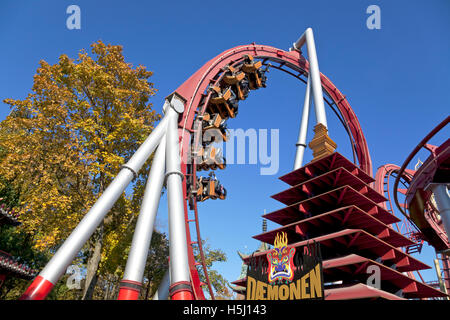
(180, 288)
(301, 142)
(443, 203)
(316, 83)
(137, 258)
(163, 290)
(56, 267)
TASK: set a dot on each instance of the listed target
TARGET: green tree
(218, 282)
(157, 265)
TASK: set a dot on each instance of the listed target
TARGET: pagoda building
(330, 201)
(12, 266)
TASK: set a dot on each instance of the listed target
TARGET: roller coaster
(207, 102)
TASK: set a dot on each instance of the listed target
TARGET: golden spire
(321, 144)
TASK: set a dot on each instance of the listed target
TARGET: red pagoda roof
(9, 264)
(343, 196)
(7, 217)
(330, 180)
(343, 218)
(354, 265)
(324, 164)
(358, 291)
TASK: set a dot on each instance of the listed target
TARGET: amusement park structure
(11, 266)
(331, 200)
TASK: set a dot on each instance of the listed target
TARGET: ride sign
(286, 275)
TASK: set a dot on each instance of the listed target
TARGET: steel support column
(180, 288)
(316, 83)
(132, 279)
(443, 203)
(163, 290)
(301, 142)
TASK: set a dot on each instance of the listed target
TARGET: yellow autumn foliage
(64, 143)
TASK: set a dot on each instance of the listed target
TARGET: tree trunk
(93, 263)
(111, 291)
(114, 289)
(147, 290)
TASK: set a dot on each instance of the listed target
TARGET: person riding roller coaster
(236, 79)
(210, 188)
(235, 85)
(210, 157)
(256, 76)
(213, 130)
(212, 122)
(223, 101)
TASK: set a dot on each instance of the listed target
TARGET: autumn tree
(65, 142)
(20, 245)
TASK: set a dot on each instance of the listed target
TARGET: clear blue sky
(396, 78)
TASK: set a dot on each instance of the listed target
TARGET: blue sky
(396, 78)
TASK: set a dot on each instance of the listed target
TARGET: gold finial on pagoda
(321, 144)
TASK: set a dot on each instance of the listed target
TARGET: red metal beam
(354, 217)
(327, 201)
(328, 163)
(358, 291)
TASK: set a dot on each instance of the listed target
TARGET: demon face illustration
(281, 265)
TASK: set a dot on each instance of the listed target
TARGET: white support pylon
(163, 290)
(316, 84)
(301, 142)
(180, 288)
(56, 267)
(134, 271)
(442, 197)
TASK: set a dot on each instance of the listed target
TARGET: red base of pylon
(181, 291)
(38, 290)
(129, 290)
(182, 295)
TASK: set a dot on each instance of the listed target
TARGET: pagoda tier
(331, 202)
(352, 269)
(10, 265)
(7, 217)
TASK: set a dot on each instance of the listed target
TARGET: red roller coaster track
(194, 91)
(418, 199)
(423, 221)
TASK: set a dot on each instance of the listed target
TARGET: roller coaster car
(256, 76)
(236, 79)
(211, 158)
(214, 121)
(210, 188)
(223, 101)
